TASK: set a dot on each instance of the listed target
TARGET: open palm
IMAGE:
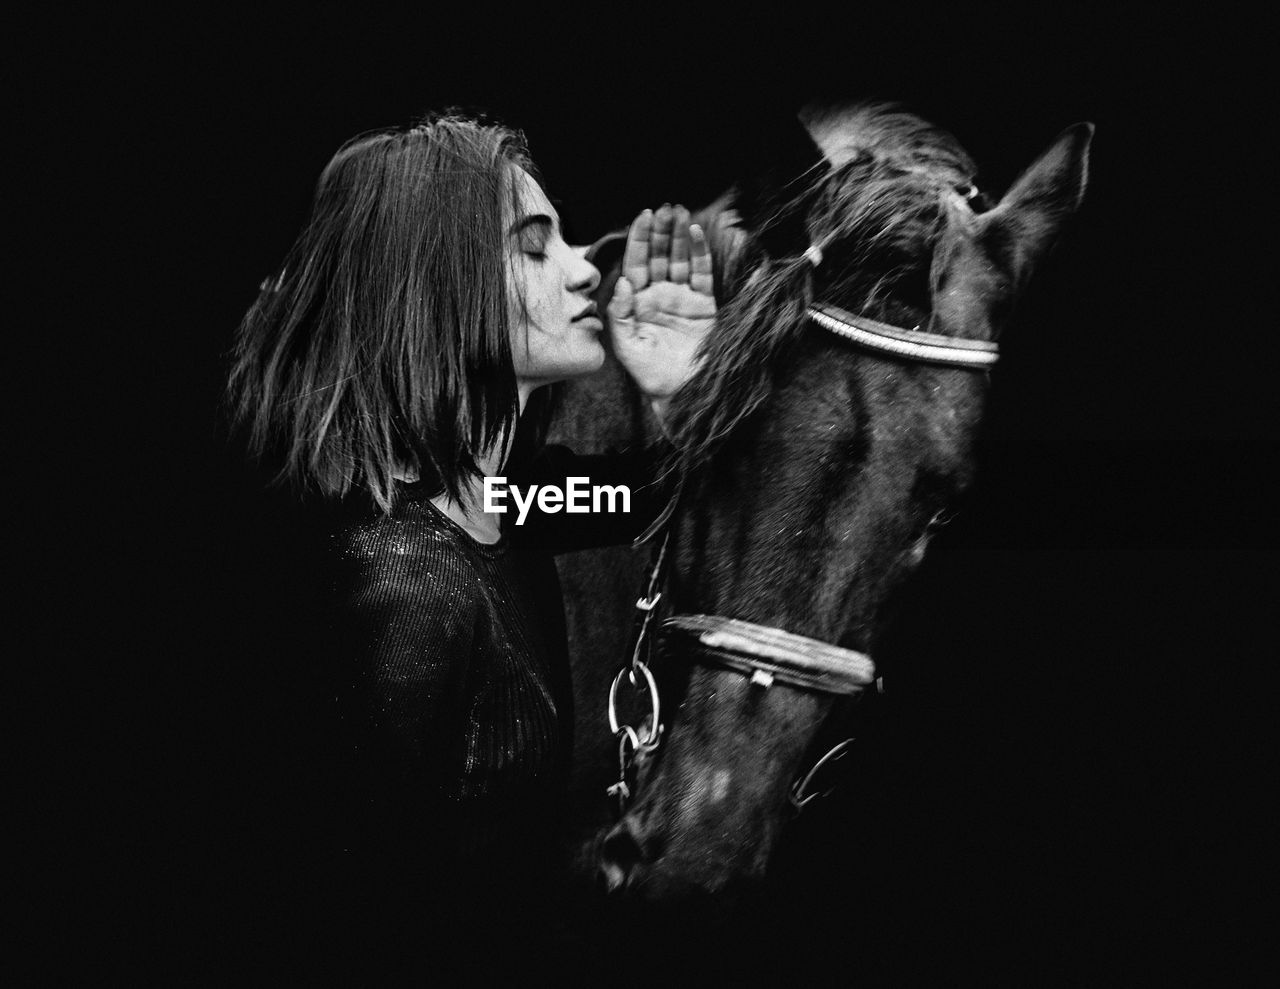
(663, 305)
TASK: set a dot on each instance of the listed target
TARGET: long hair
(382, 344)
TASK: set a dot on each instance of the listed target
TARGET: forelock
(847, 131)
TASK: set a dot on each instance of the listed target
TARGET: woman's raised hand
(662, 305)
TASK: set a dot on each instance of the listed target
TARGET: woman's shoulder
(416, 551)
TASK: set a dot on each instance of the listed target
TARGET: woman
(401, 355)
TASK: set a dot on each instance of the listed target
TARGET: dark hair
(382, 343)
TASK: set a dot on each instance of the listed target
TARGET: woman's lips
(590, 322)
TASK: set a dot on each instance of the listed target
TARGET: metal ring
(655, 725)
(798, 796)
(613, 702)
(651, 686)
(627, 736)
(621, 790)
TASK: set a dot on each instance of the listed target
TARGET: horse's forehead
(837, 145)
(842, 133)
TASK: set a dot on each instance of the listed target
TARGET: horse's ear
(1044, 196)
(772, 201)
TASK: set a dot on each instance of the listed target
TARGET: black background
(1077, 729)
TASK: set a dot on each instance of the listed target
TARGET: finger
(622, 302)
(700, 278)
(679, 269)
(635, 259)
(660, 245)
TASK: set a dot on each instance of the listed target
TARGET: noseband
(770, 655)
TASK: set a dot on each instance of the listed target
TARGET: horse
(863, 281)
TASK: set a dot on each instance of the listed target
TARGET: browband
(915, 345)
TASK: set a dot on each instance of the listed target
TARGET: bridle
(767, 655)
(914, 345)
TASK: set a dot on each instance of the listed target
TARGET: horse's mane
(877, 213)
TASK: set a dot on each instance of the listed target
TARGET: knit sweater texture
(458, 704)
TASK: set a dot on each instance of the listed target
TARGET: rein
(765, 654)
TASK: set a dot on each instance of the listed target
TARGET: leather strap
(770, 655)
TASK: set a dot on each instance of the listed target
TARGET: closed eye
(533, 232)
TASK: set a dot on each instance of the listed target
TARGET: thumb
(622, 303)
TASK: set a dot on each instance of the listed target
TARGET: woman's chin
(583, 363)
(592, 361)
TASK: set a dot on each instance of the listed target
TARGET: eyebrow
(530, 221)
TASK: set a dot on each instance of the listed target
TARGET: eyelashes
(533, 244)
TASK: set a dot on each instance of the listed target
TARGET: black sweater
(458, 707)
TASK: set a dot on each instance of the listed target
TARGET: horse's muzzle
(634, 865)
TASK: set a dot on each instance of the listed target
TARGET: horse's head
(814, 467)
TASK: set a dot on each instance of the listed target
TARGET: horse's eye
(939, 520)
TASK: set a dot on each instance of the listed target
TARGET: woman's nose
(583, 275)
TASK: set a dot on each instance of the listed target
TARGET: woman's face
(554, 325)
